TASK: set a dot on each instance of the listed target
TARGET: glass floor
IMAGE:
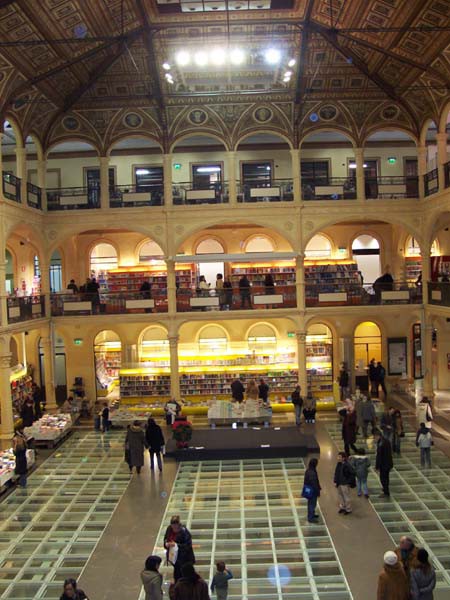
(49, 531)
(249, 513)
(419, 505)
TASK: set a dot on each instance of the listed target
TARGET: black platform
(226, 444)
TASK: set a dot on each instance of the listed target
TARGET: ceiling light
(237, 56)
(166, 66)
(291, 63)
(208, 169)
(142, 172)
(218, 56)
(183, 58)
(201, 58)
(288, 73)
(272, 56)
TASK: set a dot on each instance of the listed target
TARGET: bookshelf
(413, 267)
(283, 274)
(337, 276)
(20, 389)
(107, 366)
(130, 279)
(319, 368)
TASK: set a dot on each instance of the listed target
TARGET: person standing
(309, 412)
(220, 581)
(361, 464)
(237, 390)
(349, 430)
(368, 416)
(73, 286)
(384, 462)
(424, 412)
(386, 424)
(373, 378)
(152, 579)
(407, 555)
(297, 401)
(311, 481)
(392, 581)
(19, 444)
(135, 444)
(397, 431)
(380, 379)
(424, 441)
(72, 591)
(263, 391)
(37, 400)
(178, 536)
(146, 293)
(423, 577)
(344, 479)
(344, 380)
(155, 442)
(190, 586)
(228, 293)
(105, 417)
(244, 291)
(269, 285)
(27, 412)
(220, 292)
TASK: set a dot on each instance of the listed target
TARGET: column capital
(20, 151)
(441, 137)
(358, 152)
(301, 336)
(173, 340)
(104, 160)
(294, 151)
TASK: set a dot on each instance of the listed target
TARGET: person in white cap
(392, 581)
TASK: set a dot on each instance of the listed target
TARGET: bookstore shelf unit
(329, 277)
(20, 388)
(283, 274)
(108, 361)
(413, 268)
(319, 367)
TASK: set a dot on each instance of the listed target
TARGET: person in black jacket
(384, 462)
(177, 534)
(297, 401)
(237, 390)
(72, 591)
(27, 412)
(344, 479)
(312, 480)
(155, 441)
(263, 391)
(344, 382)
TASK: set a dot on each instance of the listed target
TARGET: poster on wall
(397, 355)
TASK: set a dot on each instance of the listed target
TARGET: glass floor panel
(49, 531)
(236, 512)
(419, 505)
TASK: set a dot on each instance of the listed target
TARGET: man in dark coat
(237, 390)
(263, 391)
(344, 381)
(344, 479)
(177, 534)
(37, 399)
(384, 462)
(19, 444)
(155, 441)
(349, 431)
(27, 412)
(135, 445)
(312, 480)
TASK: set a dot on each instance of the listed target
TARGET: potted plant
(182, 432)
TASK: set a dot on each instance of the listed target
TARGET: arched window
(318, 247)
(151, 252)
(210, 246)
(103, 258)
(56, 272)
(413, 248)
(259, 243)
(366, 252)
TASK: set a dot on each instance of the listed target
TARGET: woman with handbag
(311, 489)
(178, 545)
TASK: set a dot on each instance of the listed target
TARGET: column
(422, 168)
(7, 417)
(300, 281)
(47, 347)
(174, 374)
(441, 139)
(3, 305)
(232, 185)
(45, 287)
(21, 171)
(360, 179)
(426, 271)
(104, 182)
(301, 358)
(171, 287)
(167, 174)
(296, 174)
(1, 167)
(427, 354)
(42, 181)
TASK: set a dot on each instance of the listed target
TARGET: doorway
(367, 345)
(366, 253)
(210, 269)
(59, 368)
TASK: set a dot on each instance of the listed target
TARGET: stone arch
(205, 237)
(156, 326)
(219, 326)
(18, 134)
(328, 128)
(380, 127)
(443, 118)
(267, 131)
(136, 135)
(253, 236)
(76, 138)
(267, 324)
(197, 133)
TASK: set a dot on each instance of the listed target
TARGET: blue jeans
(312, 503)
(298, 413)
(361, 485)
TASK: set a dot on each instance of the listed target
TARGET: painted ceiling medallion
(263, 114)
(132, 120)
(197, 117)
(71, 124)
(390, 112)
(328, 112)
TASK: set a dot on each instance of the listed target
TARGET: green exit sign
(392, 160)
(77, 341)
(177, 166)
(291, 334)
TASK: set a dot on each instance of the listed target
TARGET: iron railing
(329, 188)
(73, 198)
(391, 187)
(278, 190)
(339, 293)
(281, 296)
(63, 304)
(11, 187)
(187, 193)
(431, 182)
(34, 196)
(25, 308)
(123, 196)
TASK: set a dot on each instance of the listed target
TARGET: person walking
(219, 583)
(384, 462)
(263, 391)
(380, 379)
(361, 464)
(424, 441)
(135, 444)
(297, 401)
(311, 489)
(20, 446)
(344, 380)
(386, 424)
(406, 553)
(244, 291)
(152, 579)
(392, 581)
(424, 412)
(349, 430)
(27, 412)
(178, 545)
(190, 586)
(155, 441)
(146, 293)
(237, 390)
(423, 577)
(71, 591)
(368, 416)
(105, 417)
(344, 479)
(398, 431)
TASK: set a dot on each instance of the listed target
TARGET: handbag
(307, 492)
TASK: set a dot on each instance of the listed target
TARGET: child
(220, 580)
(361, 463)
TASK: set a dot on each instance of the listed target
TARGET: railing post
(360, 178)
(104, 182)
(42, 182)
(174, 373)
(441, 139)
(7, 422)
(422, 169)
(167, 175)
(21, 170)
(296, 174)
(231, 168)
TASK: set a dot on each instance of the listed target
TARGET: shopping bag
(173, 554)
(307, 492)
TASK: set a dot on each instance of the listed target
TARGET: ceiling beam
(300, 83)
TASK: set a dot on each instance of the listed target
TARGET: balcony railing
(34, 196)
(25, 308)
(431, 182)
(329, 188)
(134, 196)
(278, 190)
(391, 187)
(112, 303)
(439, 293)
(187, 193)
(73, 198)
(283, 296)
(349, 294)
(11, 186)
(447, 174)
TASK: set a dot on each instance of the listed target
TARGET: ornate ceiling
(94, 67)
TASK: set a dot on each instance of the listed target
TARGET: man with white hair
(392, 581)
